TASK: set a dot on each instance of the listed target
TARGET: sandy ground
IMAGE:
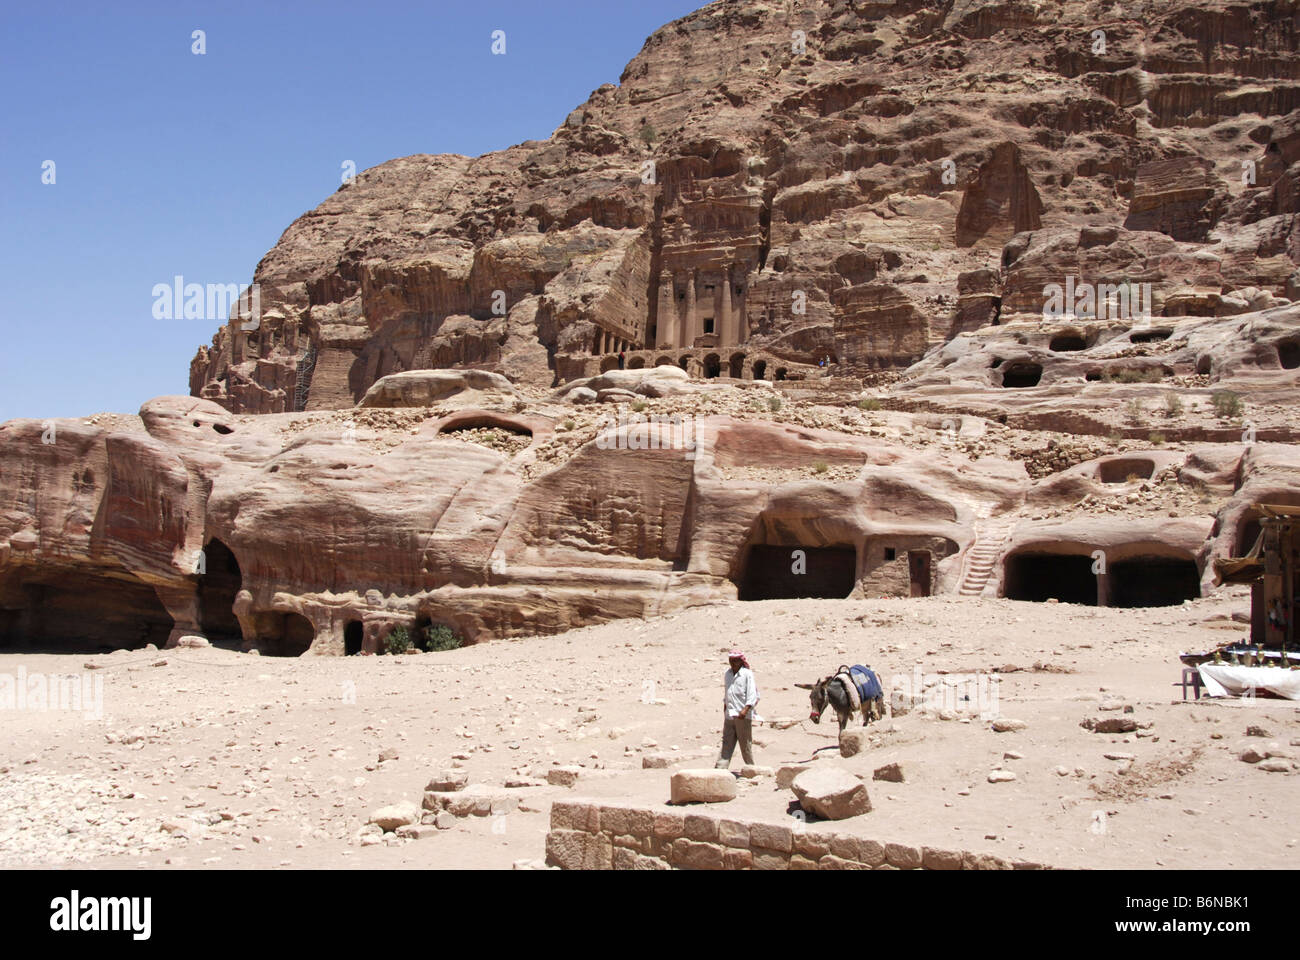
(213, 758)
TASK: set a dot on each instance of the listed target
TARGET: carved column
(666, 335)
(692, 320)
(742, 315)
(726, 335)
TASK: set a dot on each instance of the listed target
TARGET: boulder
(448, 781)
(890, 773)
(397, 815)
(785, 775)
(422, 388)
(1110, 725)
(831, 793)
(853, 742)
(563, 776)
(702, 786)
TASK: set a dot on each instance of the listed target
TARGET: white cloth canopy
(1227, 680)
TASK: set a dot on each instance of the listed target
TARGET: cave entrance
(1068, 343)
(1039, 577)
(790, 573)
(283, 634)
(1126, 470)
(1288, 354)
(737, 365)
(354, 634)
(918, 566)
(760, 369)
(636, 363)
(219, 583)
(74, 612)
(1022, 374)
(1153, 582)
(712, 366)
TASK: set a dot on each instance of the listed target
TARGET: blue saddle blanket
(868, 684)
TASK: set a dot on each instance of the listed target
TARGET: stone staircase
(990, 537)
(306, 367)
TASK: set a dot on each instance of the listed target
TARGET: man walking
(740, 695)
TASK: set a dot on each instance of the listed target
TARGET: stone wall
(587, 835)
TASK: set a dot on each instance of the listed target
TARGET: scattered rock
(702, 786)
(448, 781)
(890, 772)
(1110, 725)
(831, 793)
(853, 742)
(397, 815)
(785, 775)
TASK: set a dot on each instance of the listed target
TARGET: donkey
(833, 691)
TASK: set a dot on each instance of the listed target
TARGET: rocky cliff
(772, 184)
(911, 299)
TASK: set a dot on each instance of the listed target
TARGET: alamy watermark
(970, 694)
(212, 302)
(647, 432)
(45, 692)
(1102, 301)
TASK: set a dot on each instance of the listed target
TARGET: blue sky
(167, 162)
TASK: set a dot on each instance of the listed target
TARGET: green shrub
(638, 406)
(439, 637)
(774, 404)
(821, 466)
(1227, 404)
(1157, 439)
(398, 641)
(1173, 405)
(869, 403)
(648, 134)
(569, 424)
(1134, 412)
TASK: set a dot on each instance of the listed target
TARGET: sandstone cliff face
(288, 534)
(798, 182)
(821, 239)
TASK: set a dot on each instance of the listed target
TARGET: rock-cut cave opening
(1153, 582)
(284, 634)
(780, 573)
(1039, 577)
(80, 612)
(1022, 374)
(218, 585)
